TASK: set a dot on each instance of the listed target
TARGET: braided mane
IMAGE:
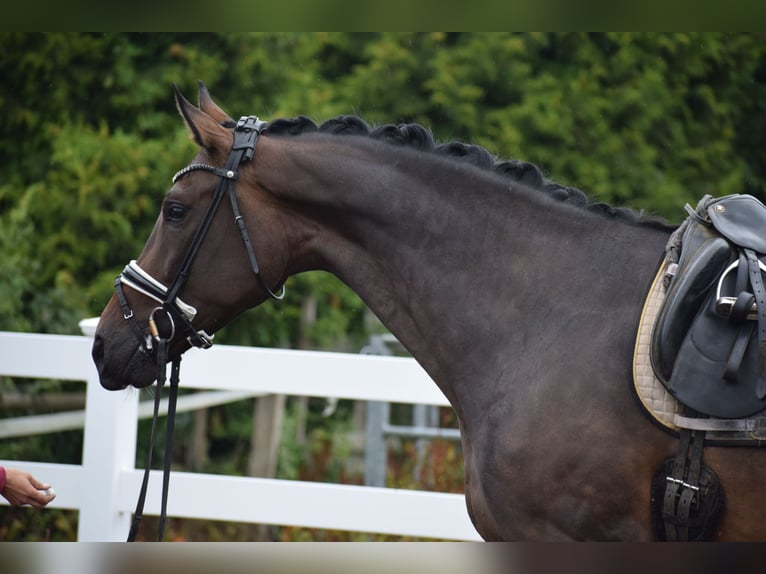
(421, 138)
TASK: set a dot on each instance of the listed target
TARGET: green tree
(89, 136)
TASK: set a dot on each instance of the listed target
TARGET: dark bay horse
(520, 303)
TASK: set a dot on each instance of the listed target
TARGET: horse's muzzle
(118, 369)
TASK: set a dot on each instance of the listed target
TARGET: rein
(179, 314)
(162, 348)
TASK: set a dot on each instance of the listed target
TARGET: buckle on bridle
(201, 340)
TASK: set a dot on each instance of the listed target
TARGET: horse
(518, 296)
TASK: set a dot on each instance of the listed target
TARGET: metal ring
(153, 326)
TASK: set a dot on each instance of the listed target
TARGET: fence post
(109, 448)
(375, 455)
(375, 444)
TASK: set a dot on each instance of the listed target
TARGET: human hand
(22, 488)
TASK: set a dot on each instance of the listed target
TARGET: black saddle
(709, 342)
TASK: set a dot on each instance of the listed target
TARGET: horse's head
(195, 272)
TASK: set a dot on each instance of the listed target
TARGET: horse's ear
(205, 130)
(207, 105)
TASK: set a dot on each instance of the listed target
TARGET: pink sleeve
(2, 479)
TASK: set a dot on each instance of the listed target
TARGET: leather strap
(175, 370)
(673, 484)
(738, 315)
(246, 135)
(738, 352)
(720, 425)
(682, 485)
(691, 490)
(759, 292)
(144, 343)
(162, 349)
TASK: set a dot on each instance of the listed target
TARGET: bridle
(180, 315)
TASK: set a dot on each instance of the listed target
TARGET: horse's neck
(454, 263)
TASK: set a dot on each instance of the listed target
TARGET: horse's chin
(121, 369)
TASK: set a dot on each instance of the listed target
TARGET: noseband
(179, 314)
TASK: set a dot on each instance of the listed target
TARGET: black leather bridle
(179, 314)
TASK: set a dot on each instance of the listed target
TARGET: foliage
(30, 525)
(89, 138)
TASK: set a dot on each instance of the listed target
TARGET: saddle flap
(698, 271)
(699, 373)
(741, 219)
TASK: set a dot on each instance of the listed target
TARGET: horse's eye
(175, 212)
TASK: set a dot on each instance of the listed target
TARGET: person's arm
(20, 488)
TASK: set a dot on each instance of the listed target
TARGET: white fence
(105, 487)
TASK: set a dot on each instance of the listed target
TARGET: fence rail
(105, 486)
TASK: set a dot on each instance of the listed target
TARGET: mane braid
(421, 138)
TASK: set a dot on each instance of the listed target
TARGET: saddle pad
(662, 406)
(655, 398)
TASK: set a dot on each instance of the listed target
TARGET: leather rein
(178, 314)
